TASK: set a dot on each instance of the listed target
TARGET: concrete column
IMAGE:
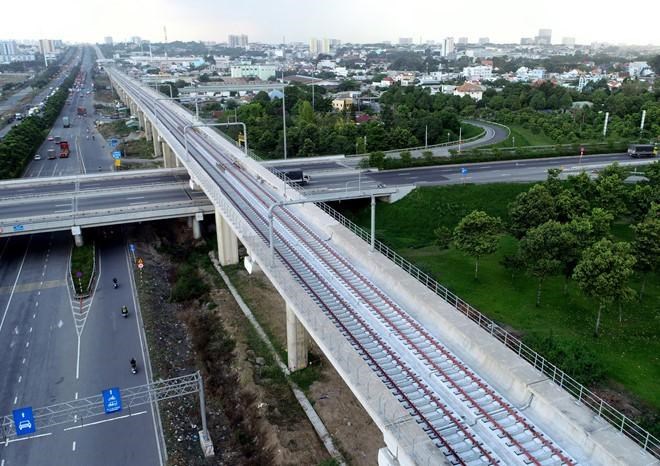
(296, 341)
(140, 119)
(167, 156)
(147, 129)
(158, 148)
(227, 241)
(77, 236)
(197, 228)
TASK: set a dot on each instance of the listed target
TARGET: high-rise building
(526, 41)
(405, 40)
(324, 46)
(447, 46)
(568, 41)
(462, 41)
(314, 46)
(7, 47)
(237, 41)
(46, 46)
(544, 37)
(136, 40)
(108, 40)
(483, 40)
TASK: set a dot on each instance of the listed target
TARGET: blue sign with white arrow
(113, 142)
(131, 247)
(24, 421)
(116, 154)
(111, 400)
(19, 227)
(464, 171)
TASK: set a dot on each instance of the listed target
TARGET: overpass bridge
(442, 389)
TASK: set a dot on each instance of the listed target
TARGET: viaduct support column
(296, 341)
(158, 148)
(196, 224)
(227, 241)
(77, 236)
(147, 130)
(140, 119)
(169, 159)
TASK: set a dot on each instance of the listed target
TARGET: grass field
(629, 351)
(524, 137)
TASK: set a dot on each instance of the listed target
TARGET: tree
(442, 237)
(377, 160)
(646, 247)
(477, 235)
(603, 274)
(531, 209)
(541, 251)
(406, 158)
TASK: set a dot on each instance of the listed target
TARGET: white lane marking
(61, 211)
(30, 331)
(137, 197)
(34, 316)
(11, 295)
(20, 377)
(60, 324)
(61, 205)
(7, 442)
(27, 344)
(15, 399)
(87, 424)
(23, 361)
(36, 304)
(73, 447)
(76, 397)
(39, 292)
(78, 360)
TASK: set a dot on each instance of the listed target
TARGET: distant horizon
(369, 21)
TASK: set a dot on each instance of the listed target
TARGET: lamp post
(284, 112)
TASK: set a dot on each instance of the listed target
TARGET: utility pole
(284, 112)
(641, 127)
(607, 117)
(426, 137)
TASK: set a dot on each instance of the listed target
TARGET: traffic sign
(116, 154)
(464, 171)
(131, 247)
(117, 163)
(111, 400)
(113, 142)
(24, 421)
(19, 227)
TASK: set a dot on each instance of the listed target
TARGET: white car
(37, 157)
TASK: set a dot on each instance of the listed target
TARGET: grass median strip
(82, 267)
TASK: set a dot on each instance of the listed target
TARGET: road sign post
(24, 421)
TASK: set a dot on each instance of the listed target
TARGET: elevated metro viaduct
(440, 387)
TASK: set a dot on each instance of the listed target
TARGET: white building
(447, 46)
(7, 47)
(46, 46)
(478, 73)
(237, 41)
(471, 90)
(638, 68)
(262, 72)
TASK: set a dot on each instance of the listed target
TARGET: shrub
(188, 285)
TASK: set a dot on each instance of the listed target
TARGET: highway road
(53, 349)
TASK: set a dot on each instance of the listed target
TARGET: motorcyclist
(133, 365)
(124, 311)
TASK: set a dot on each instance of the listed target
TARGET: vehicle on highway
(51, 154)
(57, 139)
(124, 311)
(37, 157)
(65, 122)
(642, 150)
(51, 138)
(296, 176)
(64, 149)
(133, 366)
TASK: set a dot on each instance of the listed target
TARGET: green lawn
(469, 131)
(82, 260)
(524, 137)
(630, 351)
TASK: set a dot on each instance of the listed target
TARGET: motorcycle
(133, 366)
(124, 311)
(115, 284)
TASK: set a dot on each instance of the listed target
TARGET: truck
(82, 111)
(65, 122)
(64, 149)
(642, 150)
(295, 176)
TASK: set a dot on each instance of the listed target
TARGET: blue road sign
(19, 227)
(111, 400)
(464, 171)
(113, 142)
(116, 154)
(131, 247)
(24, 421)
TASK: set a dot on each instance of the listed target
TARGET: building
(638, 68)
(526, 41)
(462, 41)
(478, 73)
(483, 40)
(405, 40)
(319, 46)
(262, 72)
(7, 47)
(568, 41)
(471, 90)
(544, 37)
(108, 40)
(237, 41)
(46, 46)
(447, 46)
(136, 40)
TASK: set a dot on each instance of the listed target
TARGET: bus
(642, 150)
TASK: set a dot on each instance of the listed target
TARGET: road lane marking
(76, 397)
(137, 197)
(20, 377)
(23, 361)
(11, 295)
(87, 424)
(73, 447)
(15, 399)
(27, 344)
(7, 442)
(30, 331)
(34, 316)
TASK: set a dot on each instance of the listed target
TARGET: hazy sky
(347, 20)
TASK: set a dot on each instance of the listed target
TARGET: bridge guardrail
(581, 393)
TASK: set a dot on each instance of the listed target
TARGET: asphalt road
(52, 352)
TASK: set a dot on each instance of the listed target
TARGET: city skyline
(368, 21)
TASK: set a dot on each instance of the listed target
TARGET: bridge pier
(148, 130)
(195, 223)
(158, 148)
(77, 236)
(169, 159)
(227, 241)
(296, 342)
(140, 116)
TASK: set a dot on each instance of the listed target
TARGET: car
(24, 424)
(51, 154)
(37, 157)
(51, 138)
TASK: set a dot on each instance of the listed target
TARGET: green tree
(603, 273)
(406, 158)
(541, 250)
(531, 209)
(377, 159)
(477, 235)
(442, 237)
(646, 247)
